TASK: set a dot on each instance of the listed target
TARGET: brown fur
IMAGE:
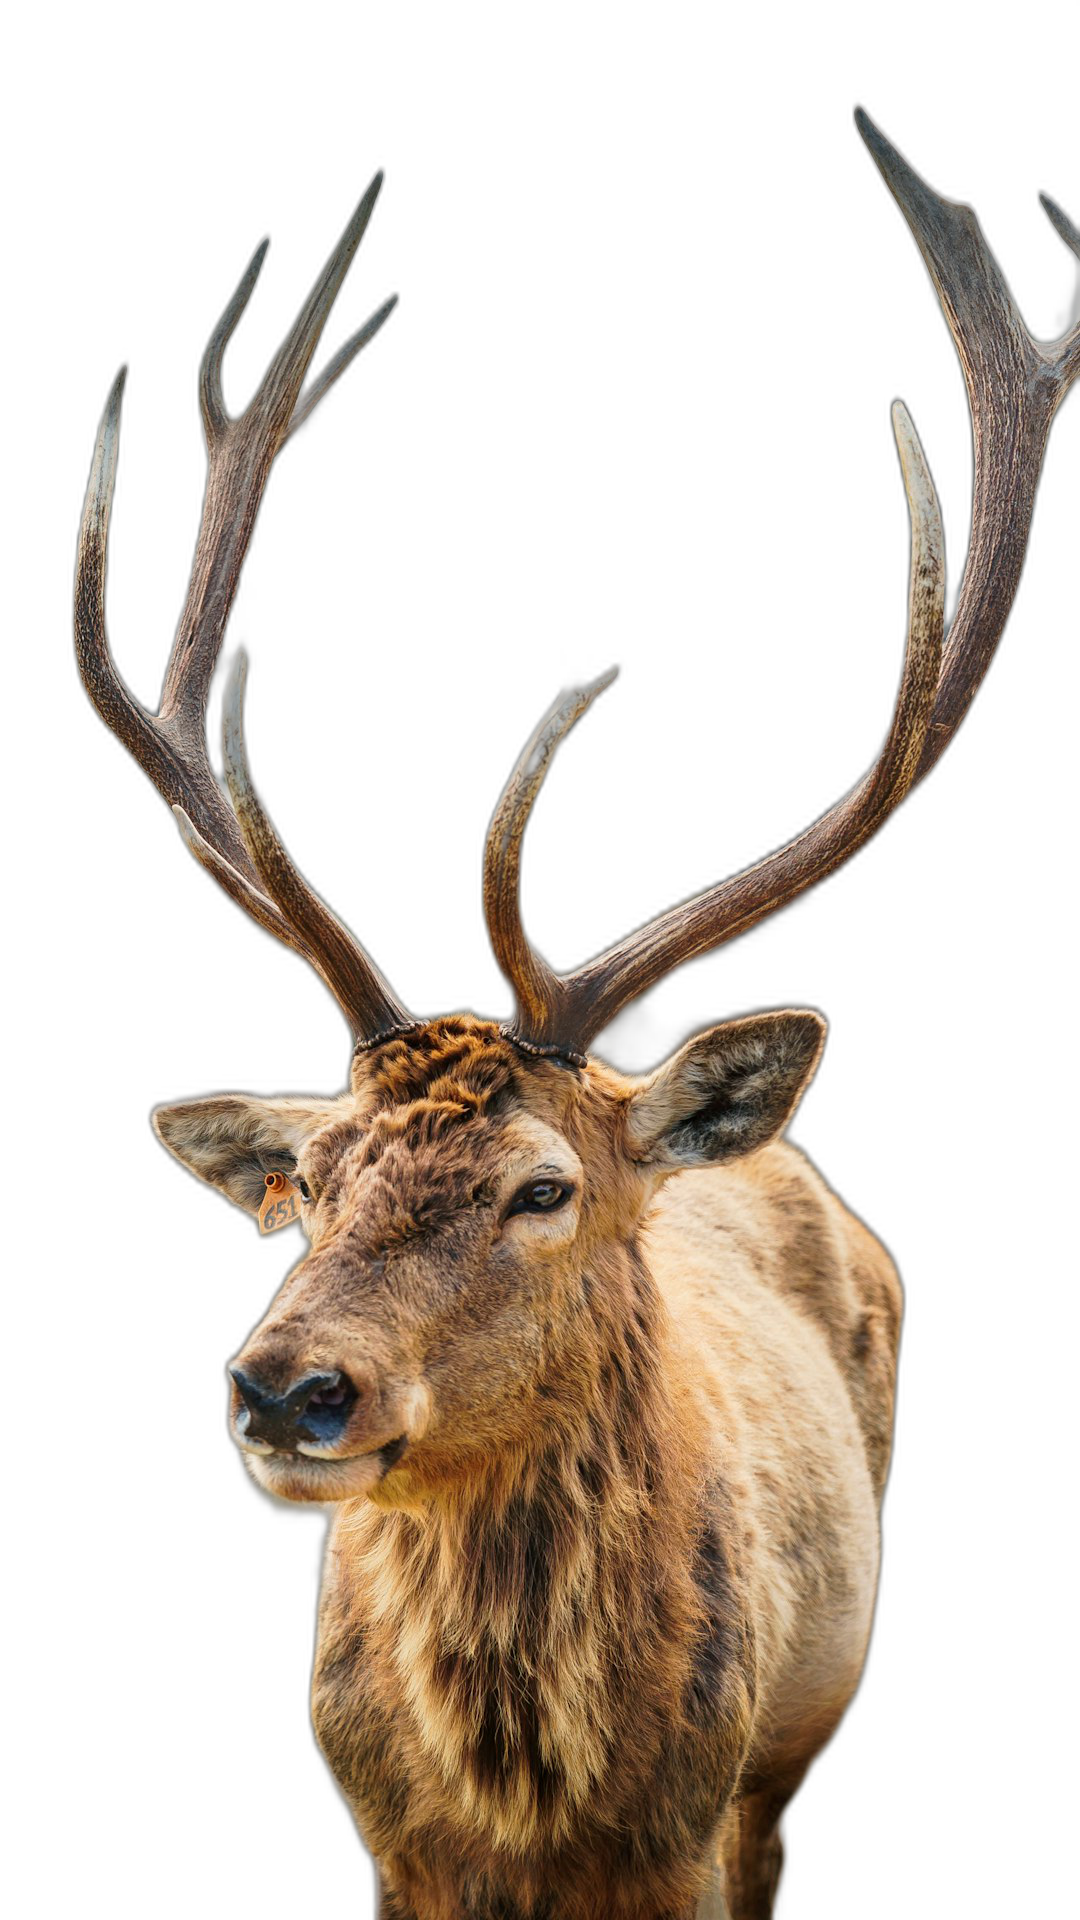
(579, 1644)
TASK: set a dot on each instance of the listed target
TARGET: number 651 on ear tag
(280, 1204)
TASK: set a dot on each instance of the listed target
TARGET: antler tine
(1060, 221)
(539, 990)
(241, 452)
(211, 397)
(1015, 385)
(170, 745)
(352, 976)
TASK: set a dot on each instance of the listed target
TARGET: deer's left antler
(1015, 385)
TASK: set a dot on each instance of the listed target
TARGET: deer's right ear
(234, 1141)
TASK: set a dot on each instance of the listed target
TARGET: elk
(595, 1372)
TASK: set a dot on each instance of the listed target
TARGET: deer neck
(498, 1606)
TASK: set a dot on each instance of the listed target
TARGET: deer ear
(726, 1092)
(233, 1141)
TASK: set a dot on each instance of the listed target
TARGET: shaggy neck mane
(542, 1621)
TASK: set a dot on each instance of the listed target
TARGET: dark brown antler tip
(1063, 223)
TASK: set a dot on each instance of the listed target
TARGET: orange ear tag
(280, 1204)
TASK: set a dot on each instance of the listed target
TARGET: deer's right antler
(1015, 384)
(240, 848)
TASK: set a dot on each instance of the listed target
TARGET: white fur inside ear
(232, 1140)
(727, 1092)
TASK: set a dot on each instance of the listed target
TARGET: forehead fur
(439, 1107)
(434, 1116)
(453, 1061)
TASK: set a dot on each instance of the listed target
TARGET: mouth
(311, 1475)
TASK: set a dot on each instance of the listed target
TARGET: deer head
(472, 1201)
(471, 1211)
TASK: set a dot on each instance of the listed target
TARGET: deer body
(596, 1371)
(606, 1549)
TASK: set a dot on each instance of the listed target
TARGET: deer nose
(315, 1410)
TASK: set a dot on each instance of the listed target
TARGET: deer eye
(540, 1196)
(305, 1190)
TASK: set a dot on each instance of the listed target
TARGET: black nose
(315, 1409)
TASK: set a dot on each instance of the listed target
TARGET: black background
(635, 408)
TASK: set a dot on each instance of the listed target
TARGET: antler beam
(1015, 386)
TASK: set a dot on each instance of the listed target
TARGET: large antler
(1014, 384)
(240, 848)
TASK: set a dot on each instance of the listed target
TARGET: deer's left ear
(726, 1092)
